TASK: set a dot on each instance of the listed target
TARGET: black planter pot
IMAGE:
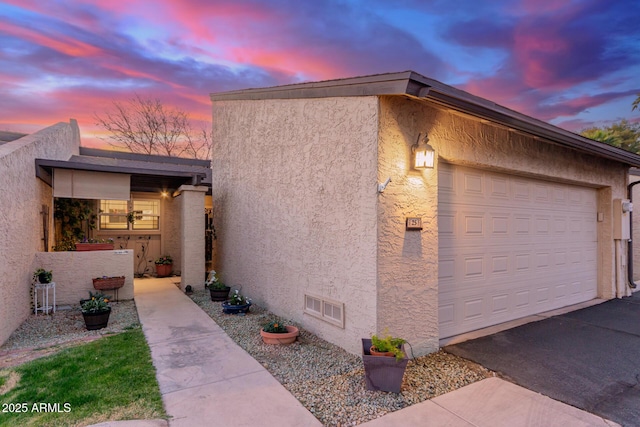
(382, 373)
(235, 309)
(43, 278)
(96, 320)
(220, 294)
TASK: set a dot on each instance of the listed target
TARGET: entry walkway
(208, 380)
(205, 378)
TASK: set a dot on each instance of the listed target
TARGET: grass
(106, 380)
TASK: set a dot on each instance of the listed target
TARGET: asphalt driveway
(588, 358)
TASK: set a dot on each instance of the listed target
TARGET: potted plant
(384, 372)
(42, 276)
(387, 346)
(277, 333)
(164, 264)
(95, 245)
(218, 290)
(96, 311)
(108, 282)
(238, 303)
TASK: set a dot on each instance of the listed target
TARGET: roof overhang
(416, 86)
(148, 173)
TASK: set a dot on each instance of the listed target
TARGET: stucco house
(323, 217)
(169, 195)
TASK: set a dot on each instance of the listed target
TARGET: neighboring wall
(21, 201)
(73, 272)
(294, 194)
(408, 261)
(635, 177)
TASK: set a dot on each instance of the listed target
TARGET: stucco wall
(407, 260)
(73, 272)
(21, 201)
(294, 193)
(636, 227)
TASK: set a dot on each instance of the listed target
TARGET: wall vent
(325, 309)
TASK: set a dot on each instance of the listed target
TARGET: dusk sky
(573, 63)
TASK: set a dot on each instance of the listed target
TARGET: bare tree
(146, 126)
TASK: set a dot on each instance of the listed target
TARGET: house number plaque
(414, 223)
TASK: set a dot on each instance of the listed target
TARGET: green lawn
(108, 379)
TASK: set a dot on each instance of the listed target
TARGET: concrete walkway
(207, 380)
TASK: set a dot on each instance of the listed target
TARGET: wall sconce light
(423, 153)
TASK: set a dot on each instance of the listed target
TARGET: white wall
(294, 193)
(21, 201)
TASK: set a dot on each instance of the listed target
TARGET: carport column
(192, 236)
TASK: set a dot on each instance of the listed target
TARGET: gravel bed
(330, 382)
(67, 325)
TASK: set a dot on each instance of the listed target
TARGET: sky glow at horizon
(573, 63)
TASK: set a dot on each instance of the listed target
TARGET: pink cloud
(58, 42)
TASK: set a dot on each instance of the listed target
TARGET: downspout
(632, 284)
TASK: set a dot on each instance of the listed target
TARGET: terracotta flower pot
(163, 270)
(375, 352)
(282, 338)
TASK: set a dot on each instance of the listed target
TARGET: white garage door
(511, 246)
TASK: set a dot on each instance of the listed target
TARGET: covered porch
(147, 206)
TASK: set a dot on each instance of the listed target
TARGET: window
(115, 214)
(147, 214)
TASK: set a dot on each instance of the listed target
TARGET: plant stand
(43, 288)
(382, 373)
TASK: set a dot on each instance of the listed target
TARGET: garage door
(511, 246)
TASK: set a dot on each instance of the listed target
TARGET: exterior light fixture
(423, 153)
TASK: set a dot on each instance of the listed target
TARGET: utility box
(622, 219)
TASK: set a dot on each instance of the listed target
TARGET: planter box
(382, 373)
(94, 246)
(102, 283)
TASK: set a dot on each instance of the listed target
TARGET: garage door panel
(510, 247)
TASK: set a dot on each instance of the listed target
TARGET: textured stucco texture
(408, 260)
(73, 272)
(294, 194)
(297, 208)
(21, 223)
